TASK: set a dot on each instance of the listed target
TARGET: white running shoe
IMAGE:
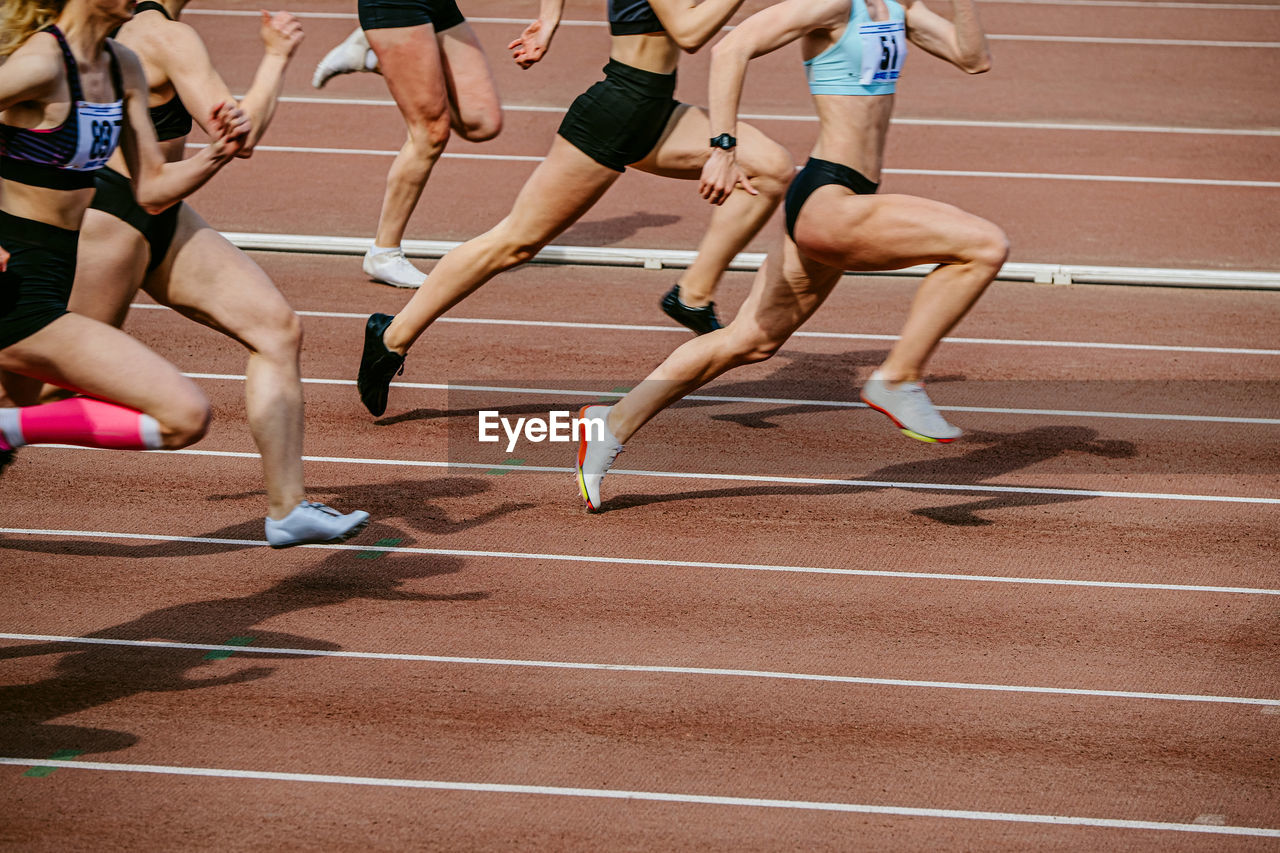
(595, 454)
(910, 408)
(393, 268)
(347, 57)
(311, 522)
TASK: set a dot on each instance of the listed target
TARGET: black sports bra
(171, 119)
(65, 157)
(631, 17)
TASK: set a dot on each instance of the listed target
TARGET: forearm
(697, 25)
(729, 60)
(549, 12)
(169, 183)
(259, 103)
(971, 42)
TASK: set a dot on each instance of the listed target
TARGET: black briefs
(818, 173)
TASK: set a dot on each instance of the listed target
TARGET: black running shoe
(6, 456)
(700, 320)
(378, 365)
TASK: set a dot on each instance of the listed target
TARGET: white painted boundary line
(909, 122)
(771, 401)
(852, 336)
(750, 261)
(657, 670)
(941, 173)
(678, 564)
(960, 488)
(648, 796)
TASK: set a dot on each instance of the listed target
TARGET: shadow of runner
(411, 501)
(89, 676)
(1004, 454)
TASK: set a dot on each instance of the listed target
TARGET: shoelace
(319, 507)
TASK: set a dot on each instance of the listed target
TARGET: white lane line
(1142, 4)
(648, 796)
(678, 564)
(771, 401)
(910, 122)
(960, 488)
(944, 173)
(657, 670)
(1058, 39)
(625, 327)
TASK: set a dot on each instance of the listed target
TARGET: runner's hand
(531, 45)
(281, 33)
(229, 127)
(720, 175)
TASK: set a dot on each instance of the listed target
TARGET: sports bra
(65, 157)
(631, 17)
(868, 57)
(171, 118)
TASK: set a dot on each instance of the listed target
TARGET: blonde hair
(21, 19)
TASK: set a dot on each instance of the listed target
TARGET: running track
(793, 629)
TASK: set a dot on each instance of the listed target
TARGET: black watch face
(724, 141)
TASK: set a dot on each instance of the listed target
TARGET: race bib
(884, 48)
(99, 135)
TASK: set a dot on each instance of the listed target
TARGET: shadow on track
(88, 676)
(1003, 454)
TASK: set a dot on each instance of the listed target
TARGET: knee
(280, 335)
(991, 249)
(772, 169)
(187, 419)
(429, 136)
(480, 128)
(752, 346)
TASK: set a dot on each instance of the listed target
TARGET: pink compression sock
(82, 421)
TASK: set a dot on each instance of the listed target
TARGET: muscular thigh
(208, 279)
(472, 93)
(787, 291)
(883, 232)
(410, 60)
(112, 261)
(684, 147)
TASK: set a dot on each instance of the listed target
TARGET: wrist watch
(724, 142)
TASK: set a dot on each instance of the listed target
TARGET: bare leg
(209, 280)
(681, 154)
(787, 290)
(117, 261)
(101, 361)
(887, 232)
(432, 77)
(563, 187)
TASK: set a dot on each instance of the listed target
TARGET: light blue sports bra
(867, 58)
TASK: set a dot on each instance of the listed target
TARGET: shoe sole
(341, 537)
(909, 433)
(582, 454)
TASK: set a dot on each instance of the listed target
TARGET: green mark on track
(381, 543)
(60, 755)
(508, 466)
(619, 391)
(234, 641)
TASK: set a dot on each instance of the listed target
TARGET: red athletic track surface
(943, 581)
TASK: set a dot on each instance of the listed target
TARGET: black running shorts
(619, 120)
(114, 195)
(36, 285)
(818, 173)
(388, 14)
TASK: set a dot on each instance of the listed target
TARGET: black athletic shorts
(818, 173)
(36, 285)
(619, 120)
(386, 14)
(114, 195)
